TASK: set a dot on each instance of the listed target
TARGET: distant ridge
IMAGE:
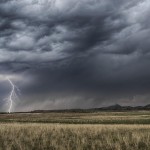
(115, 107)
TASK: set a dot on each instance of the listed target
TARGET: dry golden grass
(75, 131)
(74, 137)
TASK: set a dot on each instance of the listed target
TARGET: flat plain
(128, 117)
(75, 131)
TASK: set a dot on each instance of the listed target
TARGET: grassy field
(75, 131)
(74, 137)
(133, 117)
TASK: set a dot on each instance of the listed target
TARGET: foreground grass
(74, 137)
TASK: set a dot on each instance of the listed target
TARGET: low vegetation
(75, 131)
(74, 137)
(132, 117)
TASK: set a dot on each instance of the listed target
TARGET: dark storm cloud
(89, 50)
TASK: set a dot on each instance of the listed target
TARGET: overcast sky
(75, 53)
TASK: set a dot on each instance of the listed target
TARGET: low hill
(115, 107)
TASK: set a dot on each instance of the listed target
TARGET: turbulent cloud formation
(75, 54)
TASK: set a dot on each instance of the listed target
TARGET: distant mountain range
(116, 107)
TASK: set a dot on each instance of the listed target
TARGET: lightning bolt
(12, 95)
